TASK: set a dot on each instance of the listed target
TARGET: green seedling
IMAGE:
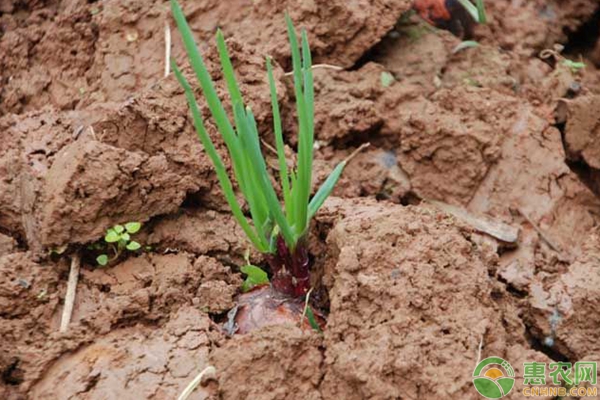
(477, 10)
(280, 232)
(574, 66)
(387, 79)
(255, 276)
(467, 44)
(118, 239)
(310, 315)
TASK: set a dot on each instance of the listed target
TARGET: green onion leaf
(301, 190)
(283, 169)
(481, 17)
(325, 190)
(217, 162)
(471, 9)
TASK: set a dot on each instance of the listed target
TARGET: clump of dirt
(7, 245)
(96, 52)
(147, 362)
(581, 128)
(373, 172)
(276, 362)
(29, 298)
(77, 173)
(62, 184)
(564, 312)
(448, 143)
(47, 51)
(124, 304)
(149, 287)
(424, 297)
(415, 54)
(339, 32)
(201, 232)
(526, 27)
(345, 103)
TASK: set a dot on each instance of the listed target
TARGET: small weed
(555, 54)
(467, 44)
(117, 239)
(574, 66)
(255, 277)
(387, 79)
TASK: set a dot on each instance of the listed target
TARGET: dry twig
(71, 290)
(207, 372)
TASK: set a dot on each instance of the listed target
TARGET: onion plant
(477, 10)
(276, 230)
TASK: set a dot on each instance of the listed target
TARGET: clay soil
(468, 229)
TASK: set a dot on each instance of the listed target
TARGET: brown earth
(92, 134)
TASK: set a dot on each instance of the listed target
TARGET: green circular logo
(494, 383)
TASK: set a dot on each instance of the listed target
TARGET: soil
(92, 134)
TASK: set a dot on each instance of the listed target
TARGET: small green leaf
(102, 259)
(467, 44)
(133, 245)
(574, 65)
(118, 228)
(471, 9)
(125, 236)
(133, 227)
(112, 236)
(481, 15)
(256, 276)
(312, 320)
(387, 79)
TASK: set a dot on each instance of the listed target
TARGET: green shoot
(117, 239)
(481, 16)
(270, 219)
(387, 79)
(255, 276)
(312, 320)
(310, 315)
(467, 44)
(477, 11)
(574, 66)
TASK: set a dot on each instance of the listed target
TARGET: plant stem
(290, 270)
